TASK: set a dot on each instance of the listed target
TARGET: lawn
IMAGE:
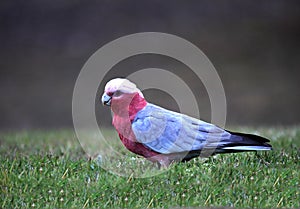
(50, 169)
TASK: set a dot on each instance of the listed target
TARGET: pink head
(123, 96)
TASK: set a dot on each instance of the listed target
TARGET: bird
(163, 136)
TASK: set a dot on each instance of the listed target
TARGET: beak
(105, 99)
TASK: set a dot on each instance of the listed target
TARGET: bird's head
(120, 92)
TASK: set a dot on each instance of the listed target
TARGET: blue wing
(168, 132)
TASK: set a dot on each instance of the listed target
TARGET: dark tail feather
(240, 142)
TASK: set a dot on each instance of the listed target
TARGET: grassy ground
(50, 169)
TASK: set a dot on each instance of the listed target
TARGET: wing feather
(168, 132)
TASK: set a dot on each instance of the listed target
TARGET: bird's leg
(163, 161)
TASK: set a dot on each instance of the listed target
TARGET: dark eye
(117, 93)
(109, 93)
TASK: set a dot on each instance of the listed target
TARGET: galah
(163, 136)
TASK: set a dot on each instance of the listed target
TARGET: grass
(50, 169)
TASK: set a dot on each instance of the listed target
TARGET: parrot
(163, 136)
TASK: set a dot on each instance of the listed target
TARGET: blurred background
(254, 45)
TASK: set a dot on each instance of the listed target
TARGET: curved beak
(105, 99)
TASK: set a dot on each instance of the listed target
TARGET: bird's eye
(117, 93)
(109, 93)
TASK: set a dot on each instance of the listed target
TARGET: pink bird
(163, 136)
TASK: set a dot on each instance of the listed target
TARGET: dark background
(254, 45)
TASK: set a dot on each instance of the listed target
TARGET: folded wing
(168, 132)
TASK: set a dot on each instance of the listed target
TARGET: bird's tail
(240, 142)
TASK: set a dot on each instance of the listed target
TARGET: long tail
(240, 142)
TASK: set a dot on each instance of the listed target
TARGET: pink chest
(124, 113)
(123, 126)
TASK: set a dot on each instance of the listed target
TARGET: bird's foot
(162, 161)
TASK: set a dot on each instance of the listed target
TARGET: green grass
(50, 169)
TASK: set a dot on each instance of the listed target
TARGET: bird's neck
(136, 105)
(129, 106)
(125, 111)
